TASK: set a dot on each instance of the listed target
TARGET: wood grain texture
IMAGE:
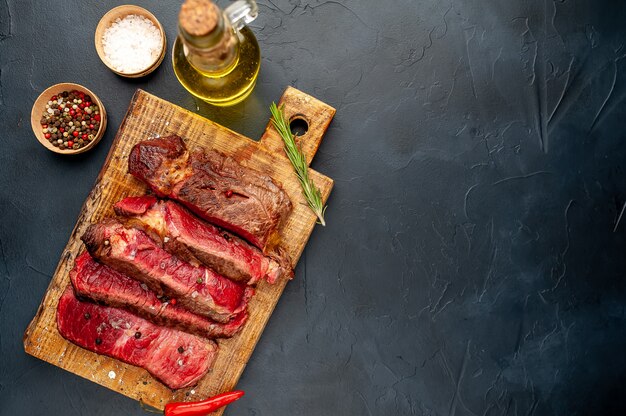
(149, 116)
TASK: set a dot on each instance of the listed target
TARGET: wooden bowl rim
(125, 10)
(40, 104)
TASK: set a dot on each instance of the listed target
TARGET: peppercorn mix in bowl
(130, 41)
(68, 118)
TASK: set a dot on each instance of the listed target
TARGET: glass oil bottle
(216, 57)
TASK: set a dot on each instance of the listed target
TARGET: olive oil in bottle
(215, 56)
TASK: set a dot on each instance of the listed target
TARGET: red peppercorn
(75, 112)
(173, 301)
(229, 193)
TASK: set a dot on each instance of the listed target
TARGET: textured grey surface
(473, 262)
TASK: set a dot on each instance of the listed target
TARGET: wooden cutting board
(150, 116)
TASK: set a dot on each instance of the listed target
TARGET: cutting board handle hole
(299, 126)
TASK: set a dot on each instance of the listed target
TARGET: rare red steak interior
(176, 358)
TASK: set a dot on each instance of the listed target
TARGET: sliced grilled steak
(176, 358)
(199, 289)
(213, 186)
(102, 284)
(193, 240)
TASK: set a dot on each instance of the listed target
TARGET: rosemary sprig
(311, 193)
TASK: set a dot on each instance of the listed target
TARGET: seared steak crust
(199, 289)
(102, 284)
(213, 186)
(191, 239)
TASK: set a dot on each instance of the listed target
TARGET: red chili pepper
(203, 407)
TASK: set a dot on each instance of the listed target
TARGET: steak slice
(213, 186)
(102, 284)
(176, 358)
(196, 241)
(199, 289)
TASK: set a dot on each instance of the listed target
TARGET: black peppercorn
(69, 107)
(181, 350)
(87, 315)
(98, 341)
(137, 334)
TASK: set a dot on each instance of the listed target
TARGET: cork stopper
(198, 17)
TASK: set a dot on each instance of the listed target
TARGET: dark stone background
(473, 262)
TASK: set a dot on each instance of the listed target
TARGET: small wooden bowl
(121, 12)
(40, 106)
